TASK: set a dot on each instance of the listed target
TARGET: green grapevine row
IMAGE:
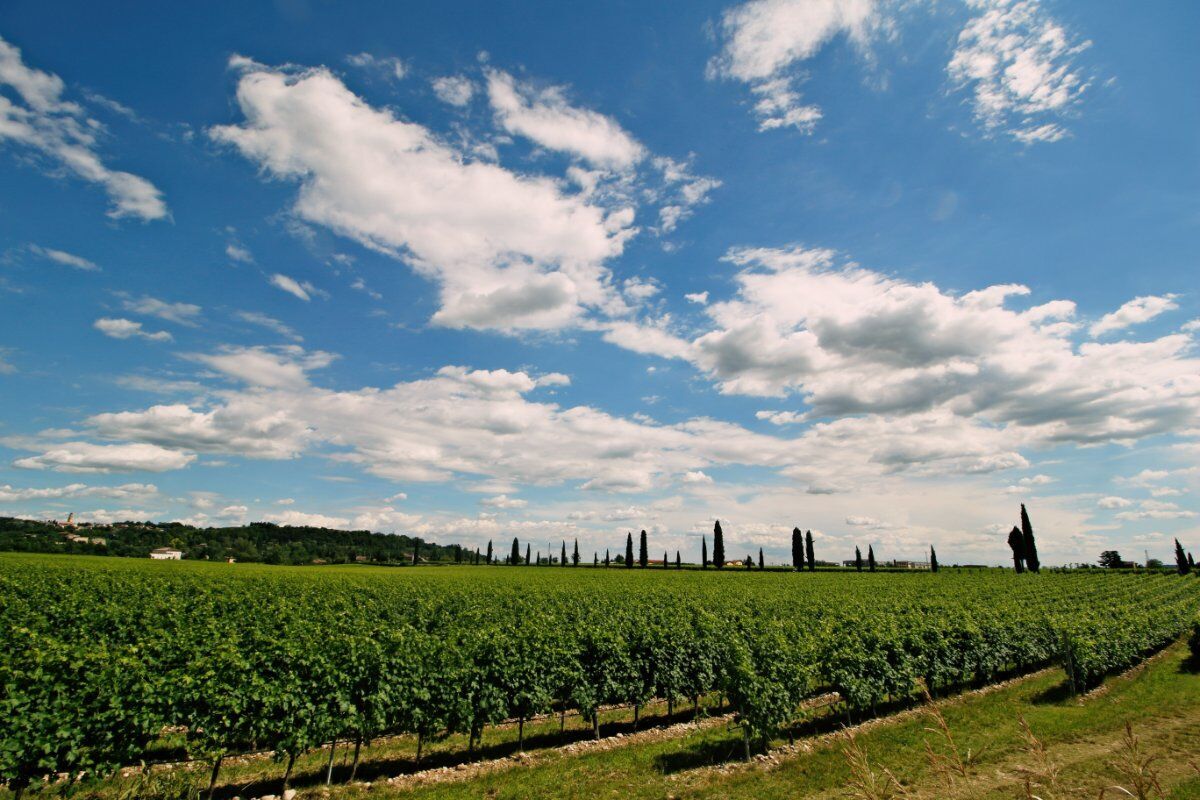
(98, 656)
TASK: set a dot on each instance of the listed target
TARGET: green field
(110, 662)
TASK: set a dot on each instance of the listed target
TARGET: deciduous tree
(1017, 542)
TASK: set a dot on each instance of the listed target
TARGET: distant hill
(262, 542)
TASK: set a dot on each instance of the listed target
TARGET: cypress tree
(808, 544)
(718, 546)
(678, 561)
(666, 560)
(595, 559)
(797, 549)
(1031, 555)
(575, 555)
(933, 565)
(857, 558)
(643, 556)
(516, 552)
(477, 556)
(416, 550)
(458, 554)
(1181, 562)
(1017, 542)
(871, 558)
(629, 550)
(539, 558)
(607, 561)
(527, 561)
(761, 565)
(562, 560)
(703, 553)
(489, 553)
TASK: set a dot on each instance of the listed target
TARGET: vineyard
(99, 657)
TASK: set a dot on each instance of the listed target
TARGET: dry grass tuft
(950, 765)
(864, 784)
(1136, 768)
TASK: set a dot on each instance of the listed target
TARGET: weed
(864, 784)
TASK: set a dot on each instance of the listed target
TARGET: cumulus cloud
(239, 253)
(89, 457)
(63, 257)
(388, 65)
(275, 367)
(855, 341)
(455, 90)
(764, 40)
(481, 424)
(1156, 509)
(270, 323)
(60, 131)
(503, 501)
(1018, 63)
(117, 328)
(291, 286)
(179, 313)
(125, 491)
(306, 519)
(545, 117)
(507, 250)
(1112, 501)
(1135, 312)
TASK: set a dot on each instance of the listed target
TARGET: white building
(166, 554)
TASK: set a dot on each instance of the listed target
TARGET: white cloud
(275, 367)
(270, 323)
(88, 457)
(60, 131)
(117, 328)
(180, 313)
(503, 501)
(65, 258)
(685, 191)
(781, 417)
(1135, 312)
(1018, 62)
(854, 341)
(289, 285)
(479, 424)
(386, 519)
(1112, 501)
(456, 90)
(548, 119)
(509, 251)
(305, 519)
(764, 40)
(1156, 509)
(388, 65)
(237, 252)
(125, 491)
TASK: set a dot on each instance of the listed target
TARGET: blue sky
(881, 270)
